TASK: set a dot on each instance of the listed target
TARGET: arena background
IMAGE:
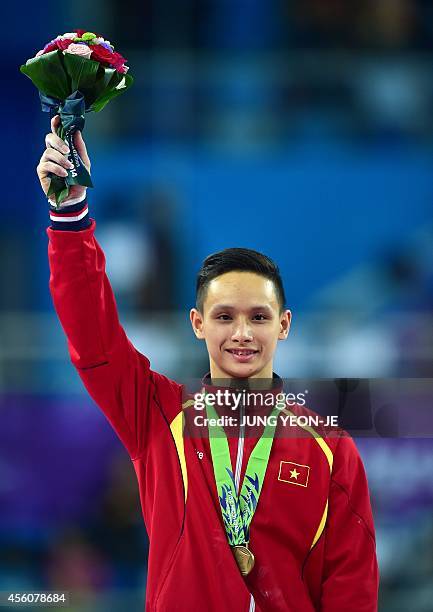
(301, 129)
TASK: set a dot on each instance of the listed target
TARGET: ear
(285, 321)
(196, 319)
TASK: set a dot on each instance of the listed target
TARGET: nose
(242, 331)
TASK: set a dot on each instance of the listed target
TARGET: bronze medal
(244, 558)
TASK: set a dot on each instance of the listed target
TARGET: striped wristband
(70, 218)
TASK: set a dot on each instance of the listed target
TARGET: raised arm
(115, 374)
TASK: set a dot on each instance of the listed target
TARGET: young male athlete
(236, 522)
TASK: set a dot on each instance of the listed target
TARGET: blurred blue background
(304, 130)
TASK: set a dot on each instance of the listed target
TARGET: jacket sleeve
(350, 572)
(115, 374)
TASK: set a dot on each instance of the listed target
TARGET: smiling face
(241, 323)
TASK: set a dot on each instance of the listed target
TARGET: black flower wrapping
(72, 118)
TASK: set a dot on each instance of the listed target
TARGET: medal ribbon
(238, 511)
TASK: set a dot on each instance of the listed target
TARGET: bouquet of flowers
(75, 73)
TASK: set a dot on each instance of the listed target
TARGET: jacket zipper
(239, 457)
(240, 453)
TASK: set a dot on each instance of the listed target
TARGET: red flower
(101, 54)
(117, 60)
(52, 46)
(63, 44)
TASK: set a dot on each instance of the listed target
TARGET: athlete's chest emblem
(294, 473)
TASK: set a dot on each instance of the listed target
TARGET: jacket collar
(253, 384)
(256, 393)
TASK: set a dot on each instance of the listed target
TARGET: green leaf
(48, 74)
(83, 73)
(102, 83)
(113, 91)
(58, 188)
(62, 195)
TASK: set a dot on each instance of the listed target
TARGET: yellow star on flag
(296, 474)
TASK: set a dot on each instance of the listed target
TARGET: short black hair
(237, 260)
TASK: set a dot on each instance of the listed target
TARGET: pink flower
(70, 35)
(79, 49)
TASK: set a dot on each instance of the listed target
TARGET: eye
(223, 317)
(259, 317)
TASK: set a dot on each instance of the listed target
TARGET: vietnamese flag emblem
(294, 473)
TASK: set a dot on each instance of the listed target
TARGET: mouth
(242, 355)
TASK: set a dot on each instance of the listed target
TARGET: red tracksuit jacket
(314, 545)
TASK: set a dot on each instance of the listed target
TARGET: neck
(263, 380)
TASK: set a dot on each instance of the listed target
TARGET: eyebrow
(258, 307)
